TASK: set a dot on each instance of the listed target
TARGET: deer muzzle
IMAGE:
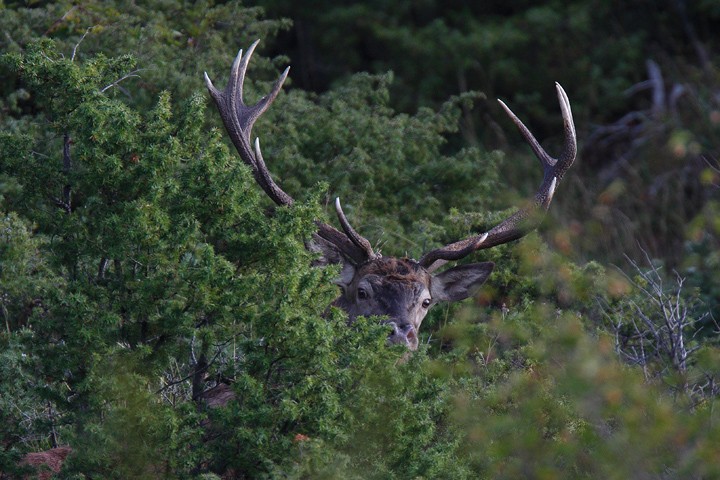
(403, 333)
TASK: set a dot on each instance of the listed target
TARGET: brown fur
(396, 269)
(218, 396)
(46, 463)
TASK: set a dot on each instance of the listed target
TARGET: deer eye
(362, 294)
(426, 303)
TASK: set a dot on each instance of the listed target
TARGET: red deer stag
(400, 289)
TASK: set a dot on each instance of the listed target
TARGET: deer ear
(458, 283)
(330, 255)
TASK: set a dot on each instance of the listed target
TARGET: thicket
(141, 269)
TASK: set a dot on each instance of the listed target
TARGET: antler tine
(359, 241)
(236, 82)
(537, 149)
(527, 218)
(570, 147)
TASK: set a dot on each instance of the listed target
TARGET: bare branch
(72, 58)
(67, 168)
(660, 331)
(132, 74)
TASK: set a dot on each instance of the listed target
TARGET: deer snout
(403, 333)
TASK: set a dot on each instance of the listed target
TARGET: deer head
(401, 290)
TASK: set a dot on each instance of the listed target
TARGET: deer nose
(404, 334)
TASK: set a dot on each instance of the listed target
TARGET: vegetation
(142, 271)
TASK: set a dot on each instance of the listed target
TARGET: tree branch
(67, 167)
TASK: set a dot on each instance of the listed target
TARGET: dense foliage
(142, 273)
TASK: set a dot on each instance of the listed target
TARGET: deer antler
(525, 219)
(239, 119)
